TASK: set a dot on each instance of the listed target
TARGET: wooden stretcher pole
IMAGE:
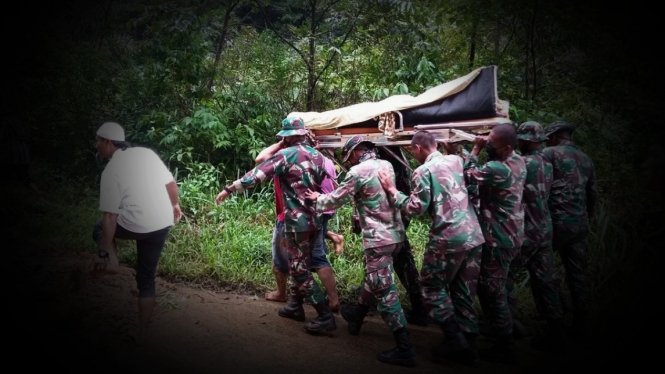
(400, 159)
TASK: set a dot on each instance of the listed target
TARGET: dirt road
(64, 320)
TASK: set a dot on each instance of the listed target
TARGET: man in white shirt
(139, 198)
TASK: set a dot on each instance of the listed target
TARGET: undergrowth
(229, 246)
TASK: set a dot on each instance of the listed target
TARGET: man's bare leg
(338, 240)
(280, 294)
(146, 305)
(328, 279)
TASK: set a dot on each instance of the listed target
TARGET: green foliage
(199, 188)
(208, 106)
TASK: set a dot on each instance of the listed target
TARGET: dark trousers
(492, 290)
(148, 249)
(571, 243)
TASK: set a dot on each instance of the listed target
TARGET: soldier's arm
(418, 202)
(490, 174)
(268, 152)
(471, 161)
(341, 195)
(264, 171)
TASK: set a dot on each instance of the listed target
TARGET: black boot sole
(319, 328)
(296, 317)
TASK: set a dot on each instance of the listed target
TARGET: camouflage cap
(352, 143)
(558, 126)
(292, 126)
(531, 131)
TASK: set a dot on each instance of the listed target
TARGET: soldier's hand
(478, 145)
(311, 195)
(480, 141)
(386, 180)
(221, 197)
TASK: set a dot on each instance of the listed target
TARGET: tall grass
(230, 245)
(220, 247)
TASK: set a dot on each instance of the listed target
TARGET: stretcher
(454, 111)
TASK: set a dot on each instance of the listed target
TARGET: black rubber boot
(403, 354)
(453, 340)
(325, 321)
(417, 314)
(354, 315)
(293, 308)
(554, 339)
(503, 351)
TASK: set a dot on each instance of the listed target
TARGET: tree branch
(220, 45)
(326, 10)
(348, 33)
(282, 38)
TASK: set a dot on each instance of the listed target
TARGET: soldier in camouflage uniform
(536, 253)
(451, 263)
(572, 201)
(299, 167)
(500, 184)
(383, 234)
(404, 262)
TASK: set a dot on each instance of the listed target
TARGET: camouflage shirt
(381, 223)
(438, 188)
(500, 186)
(299, 168)
(537, 220)
(573, 195)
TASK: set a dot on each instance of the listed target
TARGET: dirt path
(76, 323)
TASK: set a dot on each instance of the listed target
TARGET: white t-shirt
(133, 186)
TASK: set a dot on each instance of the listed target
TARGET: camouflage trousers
(379, 285)
(449, 281)
(492, 291)
(570, 243)
(538, 260)
(406, 270)
(299, 247)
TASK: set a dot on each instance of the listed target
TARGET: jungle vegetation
(206, 84)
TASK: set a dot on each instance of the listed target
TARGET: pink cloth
(279, 205)
(327, 185)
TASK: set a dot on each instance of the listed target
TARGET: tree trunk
(220, 44)
(472, 48)
(311, 78)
